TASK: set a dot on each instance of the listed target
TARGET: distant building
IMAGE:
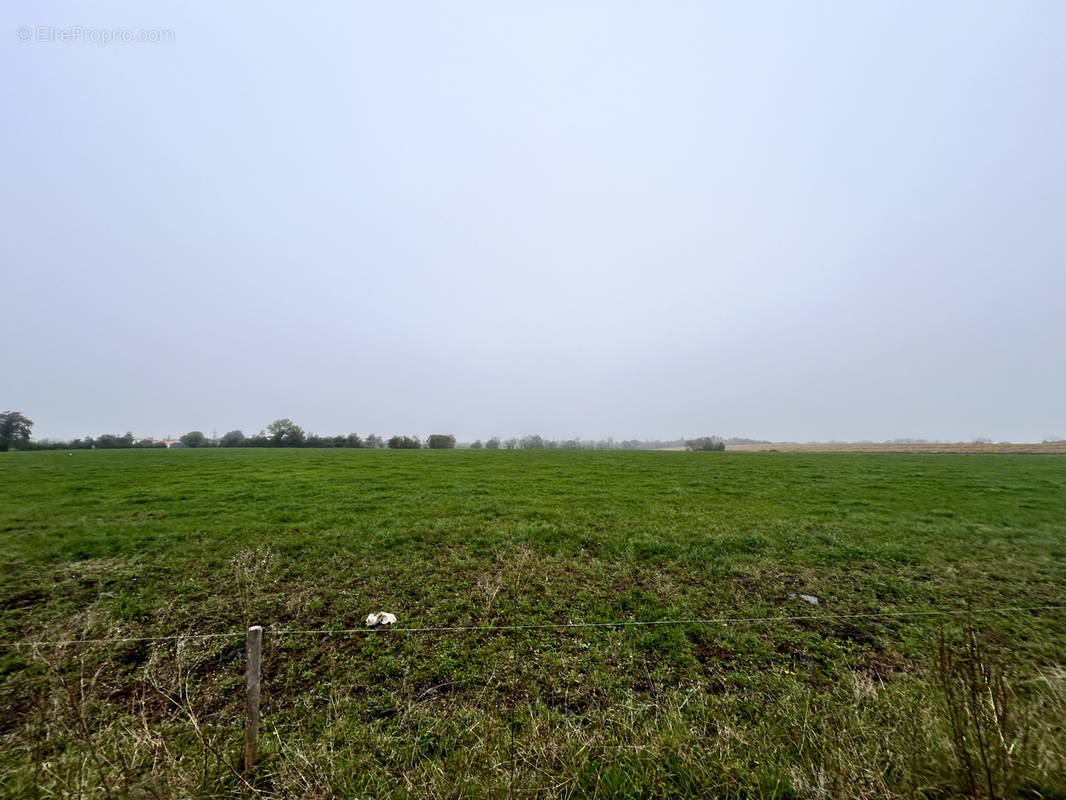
(173, 444)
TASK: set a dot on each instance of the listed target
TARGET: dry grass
(862, 738)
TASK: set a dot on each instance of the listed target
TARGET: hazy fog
(789, 221)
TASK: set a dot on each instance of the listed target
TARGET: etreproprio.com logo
(51, 34)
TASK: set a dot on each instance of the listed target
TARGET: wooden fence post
(251, 719)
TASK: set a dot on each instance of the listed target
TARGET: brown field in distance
(889, 447)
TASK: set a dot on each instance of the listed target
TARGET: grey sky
(791, 221)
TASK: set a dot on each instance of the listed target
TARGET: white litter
(380, 618)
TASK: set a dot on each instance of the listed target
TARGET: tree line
(15, 433)
(536, 442)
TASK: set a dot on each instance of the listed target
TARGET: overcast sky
(792, 221)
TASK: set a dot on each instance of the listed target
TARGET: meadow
(902, 681)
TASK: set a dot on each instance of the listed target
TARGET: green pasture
(856, 696)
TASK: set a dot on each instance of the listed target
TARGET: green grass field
(892, 702)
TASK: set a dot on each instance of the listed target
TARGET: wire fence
(395, 629)
(254, 638)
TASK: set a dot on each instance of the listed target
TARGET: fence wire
(511, 628)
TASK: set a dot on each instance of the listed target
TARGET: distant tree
(533, 442)
(373, 441)
(493, 443)
(148, 442)
(14, 430)
(511, 444)
(193, 439)
(440, 441)
(405, 443)
(353, 440)
(112, 441)
(285, 433)
(232, 439)
(706, 443)
(44, 444)
(476, 445)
